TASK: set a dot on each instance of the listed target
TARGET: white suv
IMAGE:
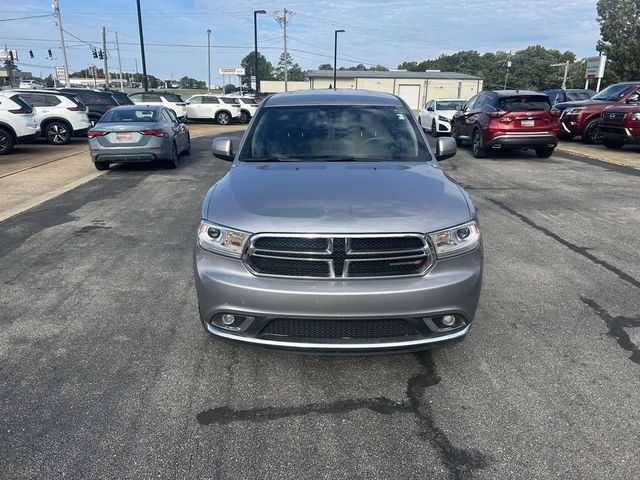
(32, 84)
(248, 106)
(211, 107)
(17, 122)
(60, 116)
(172, 101)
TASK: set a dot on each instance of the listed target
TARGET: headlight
(635, 116)
(443, 119)
(456, 240)
(575, 110)
(222, 240)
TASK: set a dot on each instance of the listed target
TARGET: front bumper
(443, 126)
(619, 133)
(523, 141)
(452, 287)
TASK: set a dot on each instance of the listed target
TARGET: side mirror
(222, 149)
(430, 109)
(445, 148)
(459, 108)
(633, 98)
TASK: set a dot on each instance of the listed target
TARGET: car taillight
(109, 106)
(180, 104)
(96, 133)
(23, 110)
(76, 109)
(156, 132)
(497, 114)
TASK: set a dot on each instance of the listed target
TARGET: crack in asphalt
(584, 251)
(616, 327)
(460, 462)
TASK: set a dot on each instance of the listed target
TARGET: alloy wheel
(223, 118)
(4, 142)
(593, 134)
(57, 133)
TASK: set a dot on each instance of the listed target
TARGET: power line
(25, 18)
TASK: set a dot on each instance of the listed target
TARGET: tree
(230, 88)
(620, 31)
(325, 66)
(265, 68)
(294, 72)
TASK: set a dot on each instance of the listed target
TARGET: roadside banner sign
(62, 78)
(231, 71)
(595, 67)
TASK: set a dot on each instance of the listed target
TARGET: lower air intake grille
(337, 329)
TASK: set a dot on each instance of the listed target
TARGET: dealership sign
(595, 67)
(231, 71)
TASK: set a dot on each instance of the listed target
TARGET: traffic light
(11, 55)
(50, 54)
(94, 52)
(100, 55)
(31, 53)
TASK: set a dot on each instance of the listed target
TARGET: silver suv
(335, 230)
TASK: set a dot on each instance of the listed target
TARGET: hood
(582, 103)
(350, 197)
(446, 113)
(623, 108)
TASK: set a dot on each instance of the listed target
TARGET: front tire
(434, 132)
(57, 133)
(453, 135)
(7, 142)
(477, 149)
(545, 152)
(223, 118)
(245, 117)
(590, 134)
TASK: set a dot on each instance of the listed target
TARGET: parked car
(248, 106)
(17, 122)
(437, 114)
(172, 101)
(98, 101)
(32, 84)
(138, 133)
(581, 118)
(336, 230)
(507, 119)
(620, 125)
(60, 116)
(212, 107)
(559, 95)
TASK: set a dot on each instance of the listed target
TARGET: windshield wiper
(270, 158)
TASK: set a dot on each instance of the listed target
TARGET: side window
(172, 116)
(480, 102)
(135, 97)
(554, 96)
(35, 99)
(195, 100)
(165, 117)
(210, 100)
(151, 97)
(470, 103)
(52, 100)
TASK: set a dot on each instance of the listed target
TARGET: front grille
(613, 117)
(339, 257)
(337, 329)
(616, 130)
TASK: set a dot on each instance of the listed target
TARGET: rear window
(121, 98)
(172, 97)
(95, 98)
(248, 101)
(129, 115)
(524, 103)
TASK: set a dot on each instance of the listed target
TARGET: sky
(376, 32)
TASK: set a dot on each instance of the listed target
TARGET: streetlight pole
(335, 55)
(209, 59)
(145, 82)
(255, 44)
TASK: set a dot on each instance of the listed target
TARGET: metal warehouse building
(415, 88)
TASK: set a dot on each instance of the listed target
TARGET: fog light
(228, 319)
(448, 320)
(213, 233)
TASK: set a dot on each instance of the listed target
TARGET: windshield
(522, 103)
(331, 132)
(449, 104)
(129, 115)
(577, 96)
(612, 93)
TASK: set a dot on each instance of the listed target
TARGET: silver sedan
(138, 133)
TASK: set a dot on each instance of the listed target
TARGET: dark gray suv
(336, 230)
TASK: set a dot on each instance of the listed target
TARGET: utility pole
(566, 72)
(335, 56)
(255, 45)
(282, 21)
(145, 83)
(106, 64)
(119, 62)
(58, 17)
(506, 75)
(209, 60)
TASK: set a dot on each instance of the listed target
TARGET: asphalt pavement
(106, 372)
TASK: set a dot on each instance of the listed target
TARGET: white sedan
(437, 114)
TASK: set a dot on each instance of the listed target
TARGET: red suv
(581, 118)
(506, 119)
(620, 124)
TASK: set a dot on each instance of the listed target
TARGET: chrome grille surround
(338, 258)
